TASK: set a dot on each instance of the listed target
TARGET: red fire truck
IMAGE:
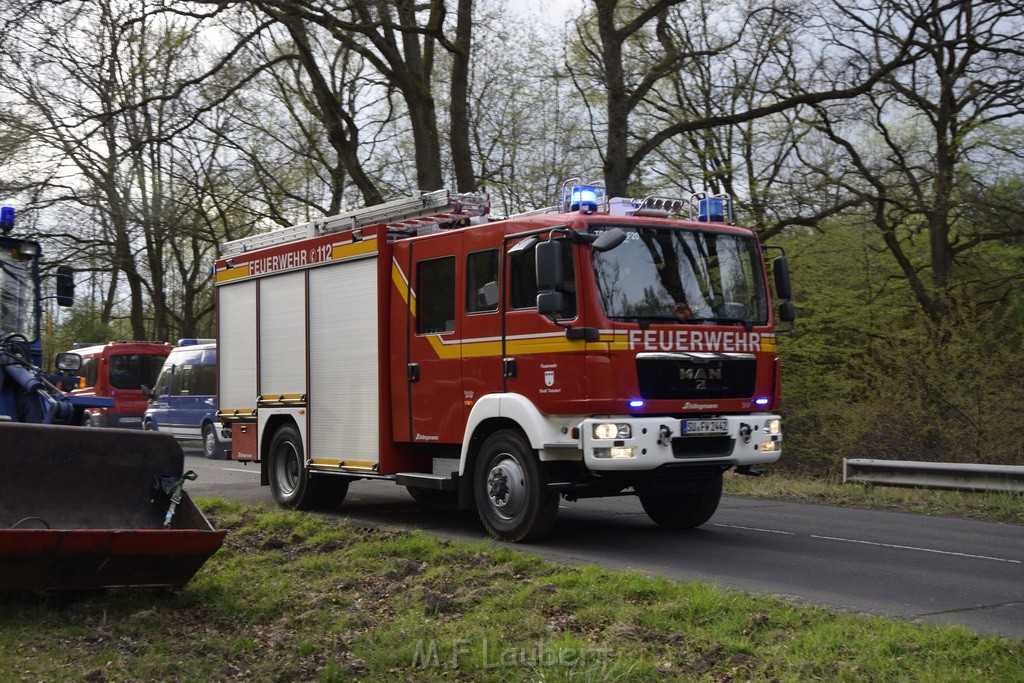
(601, 347)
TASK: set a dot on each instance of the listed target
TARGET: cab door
(434, 343)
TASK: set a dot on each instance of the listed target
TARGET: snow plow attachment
(86, 508)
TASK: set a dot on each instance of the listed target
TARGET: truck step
(425, 480)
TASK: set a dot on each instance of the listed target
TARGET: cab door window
(482, 281)
(435, 288)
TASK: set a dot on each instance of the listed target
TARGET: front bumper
(656, 441)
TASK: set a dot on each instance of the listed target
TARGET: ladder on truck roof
(427, 208)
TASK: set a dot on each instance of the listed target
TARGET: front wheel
(213, 449)
(511, 492)
(684, 510)
(290, 481)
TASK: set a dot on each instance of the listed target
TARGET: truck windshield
(674, 275)
(16, 294)
(131, 371)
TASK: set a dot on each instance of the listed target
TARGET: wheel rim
(287, 468)
(209, 441)
(506, 487)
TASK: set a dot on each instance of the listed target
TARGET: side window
(163, 381)
(184, 363)
(204, 380)
(89, 371)
(523, 280)
(182, 380)
(482, 281)
(435, 289)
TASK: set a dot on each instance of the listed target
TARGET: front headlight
(773, 427)
(609, 430)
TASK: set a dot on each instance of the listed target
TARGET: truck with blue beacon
(600, 347)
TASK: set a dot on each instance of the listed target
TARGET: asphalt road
(916, 567)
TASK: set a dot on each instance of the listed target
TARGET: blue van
(184, 400)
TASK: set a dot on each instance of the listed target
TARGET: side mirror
(780, 269)
(65, 286)
(148, 393)
(551, 304)
(787, 312)
(548, 257)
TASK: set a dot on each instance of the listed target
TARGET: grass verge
(990, 506)
(293, 596)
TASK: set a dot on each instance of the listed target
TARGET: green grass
(293, 597)
(988, 506)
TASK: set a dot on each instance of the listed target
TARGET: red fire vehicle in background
(597, 348)
(118, 370)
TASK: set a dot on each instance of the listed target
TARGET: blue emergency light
(711, 210)
(584, 198)
(7, 219)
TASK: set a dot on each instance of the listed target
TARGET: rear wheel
(290, 481)
(212, 447)
(683, 510)
(511, 492)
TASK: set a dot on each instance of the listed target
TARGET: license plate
(705, 427)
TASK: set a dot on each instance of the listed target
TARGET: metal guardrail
(936, 475)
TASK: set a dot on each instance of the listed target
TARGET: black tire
(434, 497)
(148, 426)
(683, 510)
(511, 493)
(333, 489)
(290, 480)
(213, 449)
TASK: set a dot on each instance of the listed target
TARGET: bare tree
(757, 162)
(400, 41)
(93, 80)
(936, 134)
(627, 49)
(528, 131)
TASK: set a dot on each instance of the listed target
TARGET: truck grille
(703, 376)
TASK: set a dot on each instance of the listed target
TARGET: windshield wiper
(747, 324)
(647, 319)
